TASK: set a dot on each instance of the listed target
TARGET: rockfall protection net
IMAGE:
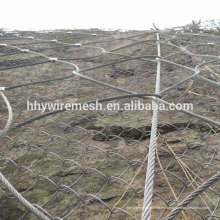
(79, 164)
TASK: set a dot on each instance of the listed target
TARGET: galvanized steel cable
(148, 190)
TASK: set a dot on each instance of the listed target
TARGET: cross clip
(77, 45)
(52, 59)
(25, 50)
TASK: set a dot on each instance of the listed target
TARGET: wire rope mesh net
(92, 164)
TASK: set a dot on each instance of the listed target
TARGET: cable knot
(75, 72)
